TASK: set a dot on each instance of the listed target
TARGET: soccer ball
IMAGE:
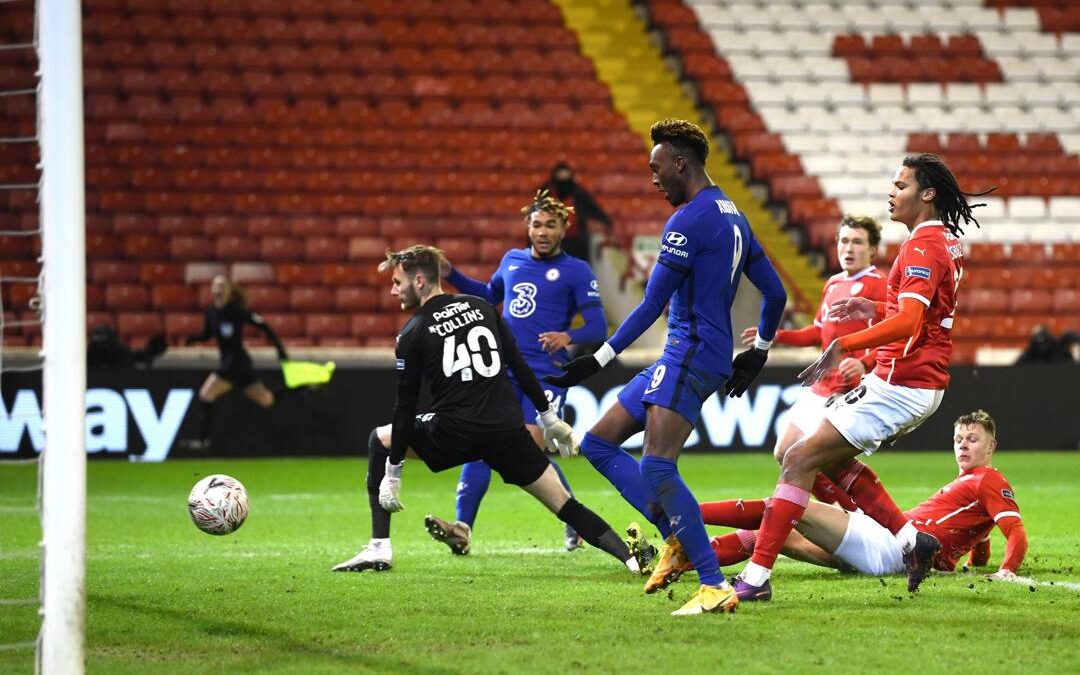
(218, 504)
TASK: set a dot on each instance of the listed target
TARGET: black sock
(380, 517)
(207, 419)
(593, 529)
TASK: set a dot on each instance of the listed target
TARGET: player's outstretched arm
(899, 326)
(261, 324)
(204, 335)
(558, 436)
(410, 374)
(661, 285)
(491, 291)
(855, 308)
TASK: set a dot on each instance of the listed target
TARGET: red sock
(785, 508)
(733, 548)
(741, 513)
(828, 492)
(864, 486)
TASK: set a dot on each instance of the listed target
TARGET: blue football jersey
(709, 240)
(543, 295)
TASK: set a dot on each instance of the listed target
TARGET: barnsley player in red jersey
(906, 386)
(960, 514)
(857, 239)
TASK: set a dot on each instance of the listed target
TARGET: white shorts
(807, 412)
(876, 413)
(869, 547)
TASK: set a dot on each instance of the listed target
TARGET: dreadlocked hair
(686, 137)
(949, 200)
(543, 201)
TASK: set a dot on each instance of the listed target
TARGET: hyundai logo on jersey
(913, 271)
(675, 238)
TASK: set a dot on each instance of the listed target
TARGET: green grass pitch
(164, 598)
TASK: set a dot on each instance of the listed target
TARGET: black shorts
(510, 452)
(238, 371)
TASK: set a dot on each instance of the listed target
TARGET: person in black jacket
(582, 207)
(224, 321)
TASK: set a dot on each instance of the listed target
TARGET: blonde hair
(980, 417)
(416, 258)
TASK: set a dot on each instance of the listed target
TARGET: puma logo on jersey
(920, 250)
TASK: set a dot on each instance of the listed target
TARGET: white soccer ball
(218, 504)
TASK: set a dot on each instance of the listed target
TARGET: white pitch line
(1028, 581)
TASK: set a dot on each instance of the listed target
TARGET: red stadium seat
(1009, 329)
(179, 325)
(265, 298)
(160, 272)
(373, 325)
(1066, 302)
(324, 249)
(173, 297)
(184, 247)
(327, 326)
(986, 301)
(137, 326)
(288, 326)
(356, 299)
(232, 247)
(126, 297)
(311, 299)
(275, 248)
(110, 272)
(1030, 301)
(295, 273)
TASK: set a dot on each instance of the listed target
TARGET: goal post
(63, 217)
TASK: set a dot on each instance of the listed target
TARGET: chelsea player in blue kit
(706, 246)
(541, 288)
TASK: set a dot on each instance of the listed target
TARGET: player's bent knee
(384, 434)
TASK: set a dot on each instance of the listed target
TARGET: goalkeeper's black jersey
(462, 347)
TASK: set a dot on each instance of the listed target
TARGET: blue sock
(619, 467)
(667, 488)
(471, 488)
(562, 477)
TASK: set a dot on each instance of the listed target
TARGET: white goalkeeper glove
(558, 436)
(390, 488)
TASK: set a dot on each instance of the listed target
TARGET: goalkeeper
(462, 347)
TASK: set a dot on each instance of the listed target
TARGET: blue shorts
(555, 395)
(669, 385)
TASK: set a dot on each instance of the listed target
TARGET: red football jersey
(928, 268)
(963, 512)
(869, 284)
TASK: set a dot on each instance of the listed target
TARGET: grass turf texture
(163, 597)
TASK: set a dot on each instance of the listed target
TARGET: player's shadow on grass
(265, 635)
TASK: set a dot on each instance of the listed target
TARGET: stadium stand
(288, 144)
(821, 100)
(311, 137)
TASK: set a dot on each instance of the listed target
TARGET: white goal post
(63, 217)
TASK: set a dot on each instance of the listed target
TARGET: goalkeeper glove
(744, 369)
(390, 488)
(583, 367)
(558, 436)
